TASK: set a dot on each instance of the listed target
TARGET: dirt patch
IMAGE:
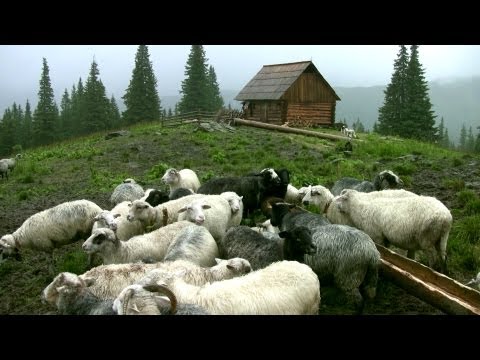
(21, 283)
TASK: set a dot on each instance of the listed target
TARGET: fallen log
(262, 125)
(440, 291)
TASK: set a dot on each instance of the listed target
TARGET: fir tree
(7, 133)
(195, 87)
(27, 126)
(215, 100)
(45, 115)
(115, 113)
(358, 126)
(441, 132)
(170, 114)
(463, 138)
(65, 115)
(470, 145)
(96, 104)
(141, 98)
(420, 120)
(77, 99)
(477, 142)
(446, 140)
(393, 113)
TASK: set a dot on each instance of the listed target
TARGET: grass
(91, 167)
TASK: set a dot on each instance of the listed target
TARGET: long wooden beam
(238, 121)
(440, 291)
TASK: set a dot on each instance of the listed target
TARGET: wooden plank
(262, 125)
(428, 285)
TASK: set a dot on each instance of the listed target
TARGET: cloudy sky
(235, 65)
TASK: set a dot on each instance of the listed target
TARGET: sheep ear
(218, 261)
(89, 281)
(241, 197)
(116, 215)
(230, 267)
(184, 208)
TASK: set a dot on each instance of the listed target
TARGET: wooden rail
(440, 291)
(262, 125)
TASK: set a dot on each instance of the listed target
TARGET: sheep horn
(162, 289)
(128, 295)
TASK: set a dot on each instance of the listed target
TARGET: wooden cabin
(293, 93)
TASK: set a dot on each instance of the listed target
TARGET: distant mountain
(456, 100)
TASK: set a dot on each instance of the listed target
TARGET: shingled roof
(272, 81)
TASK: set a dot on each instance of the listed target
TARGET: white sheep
(107, 281)
(116, 220)
(11, 162)
(184, 178)
(221, 213)
(408, 222)
(475, 282)
(52, 228)
(161, 215)
(147, 247)
(3, 168)
(282, 288)
(129, 190)
(294, 195)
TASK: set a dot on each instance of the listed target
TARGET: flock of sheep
(162, 252)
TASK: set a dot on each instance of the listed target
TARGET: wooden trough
(440, 291)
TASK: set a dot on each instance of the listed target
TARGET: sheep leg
(411, 254)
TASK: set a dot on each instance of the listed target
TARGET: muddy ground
(20, 295)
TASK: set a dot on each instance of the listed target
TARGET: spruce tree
(27, 126)
(170, 114)
(420, 120)
(195, 87)
(393, 113)
(463, 138)
(45, 114)
(215, 100)
(441, 132)
(7, 133)
(477, 142)
(77, 99)
(115, 113)
(65, 115)
(96, 105)
(470, 145)
(141, 98)
(446, 140)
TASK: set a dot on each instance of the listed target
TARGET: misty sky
(235, 65)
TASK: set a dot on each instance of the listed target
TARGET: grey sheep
(383, 180)
(244, 242)
(71, 295)
(343, 253)
(129, 190)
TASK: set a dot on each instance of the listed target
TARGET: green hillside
(91, 167)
